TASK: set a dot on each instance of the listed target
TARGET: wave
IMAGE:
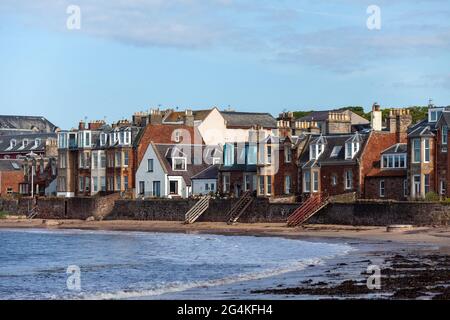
(180, 286)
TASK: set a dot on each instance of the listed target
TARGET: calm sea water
(118, 265)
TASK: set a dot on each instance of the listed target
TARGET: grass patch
(3, 214)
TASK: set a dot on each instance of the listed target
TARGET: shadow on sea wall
(111, 207)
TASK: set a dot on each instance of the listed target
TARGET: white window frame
(382, 188)
(348, 180)
(414, 149)
(444, 135)
(307, 182)
(287, 154)
(174, 160)
(287, 184)
(426, 150)
(315, 181)
(150, 165)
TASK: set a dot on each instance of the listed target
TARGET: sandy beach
(415, 263)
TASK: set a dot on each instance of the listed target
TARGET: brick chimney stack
(81, 125)
(286, 124)
(155, 116)
(189, 118)
(95, 125)
(398, 122)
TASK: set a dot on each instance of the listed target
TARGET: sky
(251, 55)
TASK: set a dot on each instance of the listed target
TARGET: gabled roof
(445, 118)
(247, 120)
(26, 124)
(396, 148)
(166, 152)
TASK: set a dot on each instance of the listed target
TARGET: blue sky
(254, 55)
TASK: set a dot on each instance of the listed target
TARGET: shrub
(3, 214)
(432, 196)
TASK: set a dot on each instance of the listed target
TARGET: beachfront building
(205, 182)
(427, 150)
(97, 158)
(11, 175)
(337, 164)
(166, 170)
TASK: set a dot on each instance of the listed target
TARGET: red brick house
(443, 159)
(11, 175)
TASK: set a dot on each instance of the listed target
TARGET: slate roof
(445, 116)
(10, 165)
(209, 173)
(176, 116)
(5, 142)
(396, 148)
(25, 124)
(332, 141)
(248, 119)
(356, 119)
(167, 151)
(422, 129)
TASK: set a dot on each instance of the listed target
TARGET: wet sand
(414, 264)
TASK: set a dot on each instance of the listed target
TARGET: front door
(416, 186)
(173, 187)
(141, 187)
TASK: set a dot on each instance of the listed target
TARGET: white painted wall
(214, 131)
(158, 174)
(198, 186)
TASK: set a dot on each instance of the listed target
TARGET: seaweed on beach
(410, 276)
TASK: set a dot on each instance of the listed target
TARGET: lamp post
(33, 157)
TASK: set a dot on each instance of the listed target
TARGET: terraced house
(96, 158)
(428, 160)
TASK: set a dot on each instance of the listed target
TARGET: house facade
(11, 175)
(166, 170)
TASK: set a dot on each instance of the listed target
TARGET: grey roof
(10, 124)
(249, 119)
(209, 173)
(167, 151)
(331, 142)
(10, 164)
(422, 129)
(356, 119)
(396, 148)
(5, 142)
(445, 116)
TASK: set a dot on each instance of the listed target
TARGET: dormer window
(103, 139)
(317, 148)
(37, 142)
(434, 114)
(352, 146)
(178, 164)
(127, 136)
(12, 143)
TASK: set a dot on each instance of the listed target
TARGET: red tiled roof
(162, 133)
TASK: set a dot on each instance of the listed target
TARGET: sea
(78, 264)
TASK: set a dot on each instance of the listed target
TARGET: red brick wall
(285, 169)
(10, 179)
(377, 142)
(326, 173)
(442, 163)
(393, 187)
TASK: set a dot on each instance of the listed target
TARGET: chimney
(338, 122)
(139, 119)
(95, 125)
(376, 117)
(155, 116)
(81, 125)
(398, 122)
(285, 124)
(189, 118)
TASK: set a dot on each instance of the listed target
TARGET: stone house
(11, 175)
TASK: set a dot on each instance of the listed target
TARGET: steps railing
(310, 207)
(33, 212)
(239, 207)
(197, 210)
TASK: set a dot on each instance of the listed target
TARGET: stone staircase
(239, 207)
(308, 208)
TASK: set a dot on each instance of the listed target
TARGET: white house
(165, 170)
(205, 182)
